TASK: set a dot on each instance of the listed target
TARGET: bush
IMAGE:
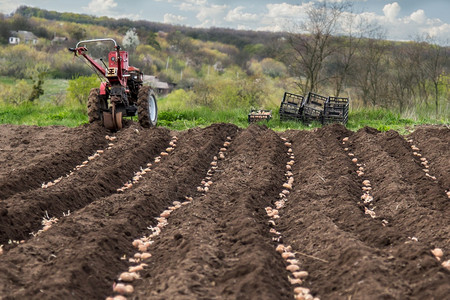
(16, 94)
(225, 92)
(273, 68)
(79, 88)
(37, 89)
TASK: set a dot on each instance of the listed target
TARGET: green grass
(7, 80)
(54, 90)
(381, 119)
(175, 112)
(45, 114)
(42, 115)
(203, 116)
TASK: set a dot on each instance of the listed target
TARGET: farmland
(80, 206)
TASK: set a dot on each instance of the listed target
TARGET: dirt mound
(21, 213)
(219, 243)
(32, 155)
(434, 141)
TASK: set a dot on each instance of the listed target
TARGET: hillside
(221, 68)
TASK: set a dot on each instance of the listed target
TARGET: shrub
(79, 88)
(16, 94)
(273, 68)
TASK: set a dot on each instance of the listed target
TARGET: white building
(22, 36)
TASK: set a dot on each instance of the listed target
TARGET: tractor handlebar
(78, 49)
(98, 40)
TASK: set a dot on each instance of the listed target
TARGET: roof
(23, 34)
(154, 82)
(162, 85)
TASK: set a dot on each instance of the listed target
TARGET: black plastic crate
(336, 110)
(316, 100)
(313, 108)
(257, 115)
(291, 106)
(311, 114)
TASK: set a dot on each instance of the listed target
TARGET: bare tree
(434, 67)
(417, 51)
(342, 61)
(402, 78)
(314, 45)
(370, 72)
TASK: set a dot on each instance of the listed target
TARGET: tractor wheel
(147, 107)
(96, 104)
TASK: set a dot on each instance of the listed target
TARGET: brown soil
(219, 245)
(31, 155)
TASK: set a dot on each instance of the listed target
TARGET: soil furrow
(405, 186)
(219, 246)
(97, 236)
(220, 243)
(325, 221)
(434, 144)
(39, 154)
(415, 206)
(22, 213)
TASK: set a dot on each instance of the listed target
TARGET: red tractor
(122, 94)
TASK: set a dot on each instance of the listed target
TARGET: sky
(401, 19)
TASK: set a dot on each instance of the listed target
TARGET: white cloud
(100, 7)
(282, 16)
(237, 15)
(193, 2)
(408, 27)
(198, 2)
(191, 5)
(441, 32)
(283, 10)
(419, 16)
(208, 14)
(272, 28)
(8, 6)
(173, 19)
(108, 8)
(213, 14)
(391, 10)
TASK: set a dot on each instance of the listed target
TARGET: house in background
(161, 88)
(59, 40)
(22, 36)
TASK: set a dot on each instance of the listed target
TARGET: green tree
(37, 89)
(4, 30)
(21, 23)
(151, 40)
(76, 32)
(79, 88)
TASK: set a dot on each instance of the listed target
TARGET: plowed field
(224, 213)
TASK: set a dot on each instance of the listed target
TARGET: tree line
(338, 51)
(330, 51)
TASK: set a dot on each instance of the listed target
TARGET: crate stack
(314, 107)
(336, 110)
